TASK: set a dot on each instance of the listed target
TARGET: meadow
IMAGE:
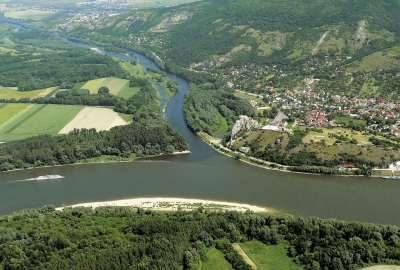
(216, 261)
(25, 14)
(117, 87)
(269, 257)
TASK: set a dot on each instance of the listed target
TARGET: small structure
(349, 166)
(244, 150)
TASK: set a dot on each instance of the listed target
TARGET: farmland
(118, 87)
(18, 121)
(9, 93)
(98, 118)
(47, 119)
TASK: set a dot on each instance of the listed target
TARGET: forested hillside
(266, 30)
(125, 238)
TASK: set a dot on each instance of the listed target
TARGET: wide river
(204, 174)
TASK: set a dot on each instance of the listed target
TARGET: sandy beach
(172, 204)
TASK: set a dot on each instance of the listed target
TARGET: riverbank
(174, 204)
(215, 143)
(99, 160)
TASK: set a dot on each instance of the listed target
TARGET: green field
(216, 261)
(29, 14)
(13, 114)
(165, 3)
(223, 128)
(135, 70)
(8, 93)
(9, 110)
(18, 121)
(269, 257)
(118, 87)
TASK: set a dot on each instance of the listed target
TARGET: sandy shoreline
(172, 204)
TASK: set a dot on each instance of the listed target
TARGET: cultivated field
(98, 118)
(47, 119)
(118, 87)
(19, 121)
(33, 14)
(9, 93)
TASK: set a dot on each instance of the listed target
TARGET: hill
(258, 30)
(302, 38)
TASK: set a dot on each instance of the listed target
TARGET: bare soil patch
(98, 118)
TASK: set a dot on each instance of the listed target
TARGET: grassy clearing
(223, 128)
(135, 70)
(8, 93)
(244, 96)
(126, 117)
(378, 60)
(29, 14)
(216, 261)
(269, 257)
(165, 3)
(317, 136)
(346, 120)
(118, 87)
(49, 119)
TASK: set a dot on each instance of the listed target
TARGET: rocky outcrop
(244, 123)
(169, 22)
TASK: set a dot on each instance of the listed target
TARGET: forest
(204, 106)
(128, 238)
(33, 71)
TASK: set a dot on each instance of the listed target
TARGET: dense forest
(36, 71)
(205, 105)
(126, 238)
(77, 146)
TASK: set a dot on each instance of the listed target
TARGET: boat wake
(39, 178)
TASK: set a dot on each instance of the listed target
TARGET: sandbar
(173, 204)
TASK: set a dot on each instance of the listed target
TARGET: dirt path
(383, 267)
(239, 250)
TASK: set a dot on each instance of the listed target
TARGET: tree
(103, 90)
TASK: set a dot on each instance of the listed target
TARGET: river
(204, 174)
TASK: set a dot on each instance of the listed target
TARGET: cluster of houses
(316, 118)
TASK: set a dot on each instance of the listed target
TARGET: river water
(204, 174)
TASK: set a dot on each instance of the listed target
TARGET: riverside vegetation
(127, 238)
